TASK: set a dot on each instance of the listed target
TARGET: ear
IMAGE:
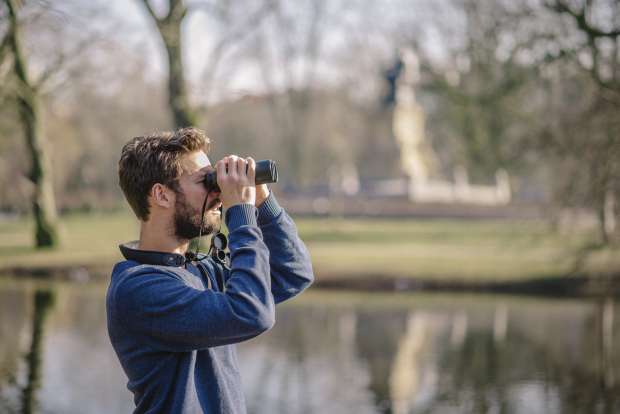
(162, 196)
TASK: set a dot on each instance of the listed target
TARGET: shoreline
(561, 286)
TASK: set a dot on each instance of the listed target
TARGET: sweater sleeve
(172, 316)
(289, 259)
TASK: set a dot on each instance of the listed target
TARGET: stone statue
(418, 160)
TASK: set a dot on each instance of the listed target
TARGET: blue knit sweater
(174, 330)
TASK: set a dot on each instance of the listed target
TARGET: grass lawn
(449, 249)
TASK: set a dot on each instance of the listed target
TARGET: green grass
(448, 249)
(87, 239)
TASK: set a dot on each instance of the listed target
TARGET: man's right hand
(236, 179)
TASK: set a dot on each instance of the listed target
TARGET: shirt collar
(131, 252)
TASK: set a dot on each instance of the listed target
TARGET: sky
(346, 25)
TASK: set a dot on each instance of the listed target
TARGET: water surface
(337, 353)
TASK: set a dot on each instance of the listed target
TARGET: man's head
(161, 176)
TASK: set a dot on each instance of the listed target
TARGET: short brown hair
(155, 158)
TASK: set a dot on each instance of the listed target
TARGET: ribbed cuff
(241, 215)
(269, 210)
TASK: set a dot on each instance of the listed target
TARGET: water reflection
(334, 353)
(519, 356)
(43, 303)
(13, 388)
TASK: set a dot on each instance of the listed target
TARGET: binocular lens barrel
(266, 172)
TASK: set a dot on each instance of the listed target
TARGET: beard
(187, 219)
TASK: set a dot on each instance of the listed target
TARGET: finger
(220, 167)
(251, 169)
(232, 166)
(241, 168)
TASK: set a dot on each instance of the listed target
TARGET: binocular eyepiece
(266, 172)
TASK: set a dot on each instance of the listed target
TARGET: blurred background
(452, 165)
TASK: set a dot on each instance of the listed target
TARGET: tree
(29, 108)
(600, 40)
(482, 89)
(589, 140)
(169, 29)
(291, 103)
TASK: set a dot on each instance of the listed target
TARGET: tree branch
(176, 11)
(61, 60)
(24, 86)
(237, 34)
(580, 18)
(4, 46)
(592, 34)
(151, 12)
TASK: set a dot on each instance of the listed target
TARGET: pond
(337, 353)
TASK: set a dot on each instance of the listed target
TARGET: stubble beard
(187, 219)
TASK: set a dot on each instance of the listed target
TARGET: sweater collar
(131, 252)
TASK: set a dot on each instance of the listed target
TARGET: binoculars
(266, 172)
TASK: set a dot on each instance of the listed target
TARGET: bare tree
(601, 39)
(169, 29)
(40, 55)
(30, 111)
(590, 138)
(284, 47)
(481, 87)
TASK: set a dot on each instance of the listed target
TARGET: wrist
(234, 201)
(238, 203)
(269, 210)
(239, 215)
(262, 194)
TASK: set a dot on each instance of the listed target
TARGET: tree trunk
(609, 215)
(169, 29)
(43, 203)
(606, 218)
(178, 100)
(44, 300)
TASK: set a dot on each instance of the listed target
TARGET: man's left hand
(262, 192)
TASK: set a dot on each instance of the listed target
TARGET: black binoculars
(266, 172)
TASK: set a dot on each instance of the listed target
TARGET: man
(173, 322)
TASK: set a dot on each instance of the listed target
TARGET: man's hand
(236, 181)
(262, 192)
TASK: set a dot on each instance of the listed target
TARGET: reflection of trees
(589, 381)
(539, 357)
(485, 371)
(84, 367)
(307, 364)
(578, 364)
(43, 303)
(572, 364)
(378, 338)
(475, 374)
(312, 352)
(13, 323)
(83, 315)
(607, 343)
(294, 344)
